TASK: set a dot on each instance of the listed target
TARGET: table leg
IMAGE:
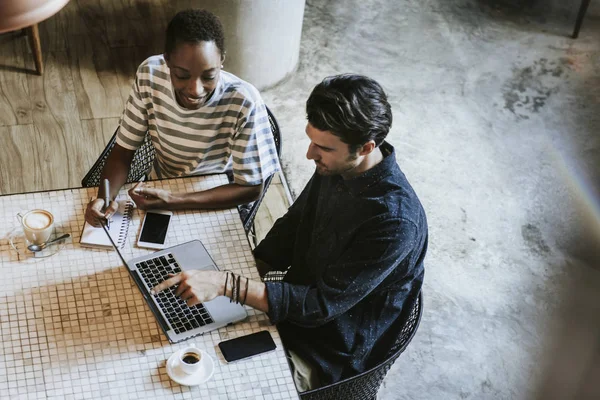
(34, 41)
(580, 15)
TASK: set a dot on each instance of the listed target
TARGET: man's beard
(324, 171)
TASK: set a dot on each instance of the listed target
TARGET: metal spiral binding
(125, 227)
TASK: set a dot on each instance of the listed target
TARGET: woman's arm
(225, 196)
(115, 170)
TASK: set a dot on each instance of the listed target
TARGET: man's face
(330, 154)
(195, 70)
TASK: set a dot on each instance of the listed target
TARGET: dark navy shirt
(355, 252)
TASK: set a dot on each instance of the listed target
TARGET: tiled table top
(74, 325)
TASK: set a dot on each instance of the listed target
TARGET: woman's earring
(221, 66)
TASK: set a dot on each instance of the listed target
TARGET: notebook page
(119, 226)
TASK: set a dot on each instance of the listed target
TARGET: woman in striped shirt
(201, 120)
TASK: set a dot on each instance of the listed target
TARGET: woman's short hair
(353, 107)
(194, 26)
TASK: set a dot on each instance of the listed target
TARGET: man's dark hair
(194, 26)
(353, 107)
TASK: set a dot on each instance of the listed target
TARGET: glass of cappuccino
(37, 226)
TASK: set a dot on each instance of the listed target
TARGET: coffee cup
(38, 226)
(190, 359)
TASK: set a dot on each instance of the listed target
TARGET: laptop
(178, 321)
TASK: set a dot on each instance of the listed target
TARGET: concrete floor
(496, 117)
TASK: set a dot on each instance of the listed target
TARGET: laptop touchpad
(194, 257)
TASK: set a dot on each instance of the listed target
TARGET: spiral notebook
(119, 227)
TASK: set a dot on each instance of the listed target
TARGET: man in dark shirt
(352, 244)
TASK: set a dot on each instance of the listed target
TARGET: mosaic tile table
(74, 325)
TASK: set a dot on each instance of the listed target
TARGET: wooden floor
(53, 127)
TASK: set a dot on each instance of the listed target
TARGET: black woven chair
(140, 165)
(364, 386)
(144, 158)
(248, 211)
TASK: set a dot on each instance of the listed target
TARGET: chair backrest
(141, 164)
(248, 211)
(366, 385)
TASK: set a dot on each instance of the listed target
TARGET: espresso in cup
(189, 360)
(37, 226)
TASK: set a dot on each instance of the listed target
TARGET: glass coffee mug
(38, 226)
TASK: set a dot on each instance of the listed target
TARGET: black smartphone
(247, 346)
(154, 229)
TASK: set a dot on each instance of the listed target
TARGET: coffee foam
(37, 220)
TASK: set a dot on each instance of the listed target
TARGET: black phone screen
(155, 228)
(247, 346)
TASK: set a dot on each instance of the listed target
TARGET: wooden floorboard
(53, 33)
(97, 132)
(15, 102)
(137, 23)
(19, 156)
(127, 60)
(57, 123)
(95, 79)
(85, 19)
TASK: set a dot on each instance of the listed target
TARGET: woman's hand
(147, 198)
(94, 213)
(195, 286)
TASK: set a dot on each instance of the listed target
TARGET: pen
(106, 198)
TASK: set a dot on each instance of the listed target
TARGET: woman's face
(195, 70)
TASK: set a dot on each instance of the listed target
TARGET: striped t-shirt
(231, 132)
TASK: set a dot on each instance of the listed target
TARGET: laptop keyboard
(181, 317)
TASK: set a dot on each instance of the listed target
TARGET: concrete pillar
(262, 37)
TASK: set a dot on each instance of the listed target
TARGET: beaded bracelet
(237, 290)
(226, 279)
(236, 287)
(233, 288)
(246, 293)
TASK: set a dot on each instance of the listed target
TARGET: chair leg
(34, 41)
(252, 236)
(580, 15)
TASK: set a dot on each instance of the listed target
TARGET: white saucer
(18, 244)
(204, 373)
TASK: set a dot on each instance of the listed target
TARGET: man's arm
(195, 286)
(380, 246)
(362, 268)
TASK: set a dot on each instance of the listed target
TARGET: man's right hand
(94, 214)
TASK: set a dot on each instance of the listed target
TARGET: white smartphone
(153, 234)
